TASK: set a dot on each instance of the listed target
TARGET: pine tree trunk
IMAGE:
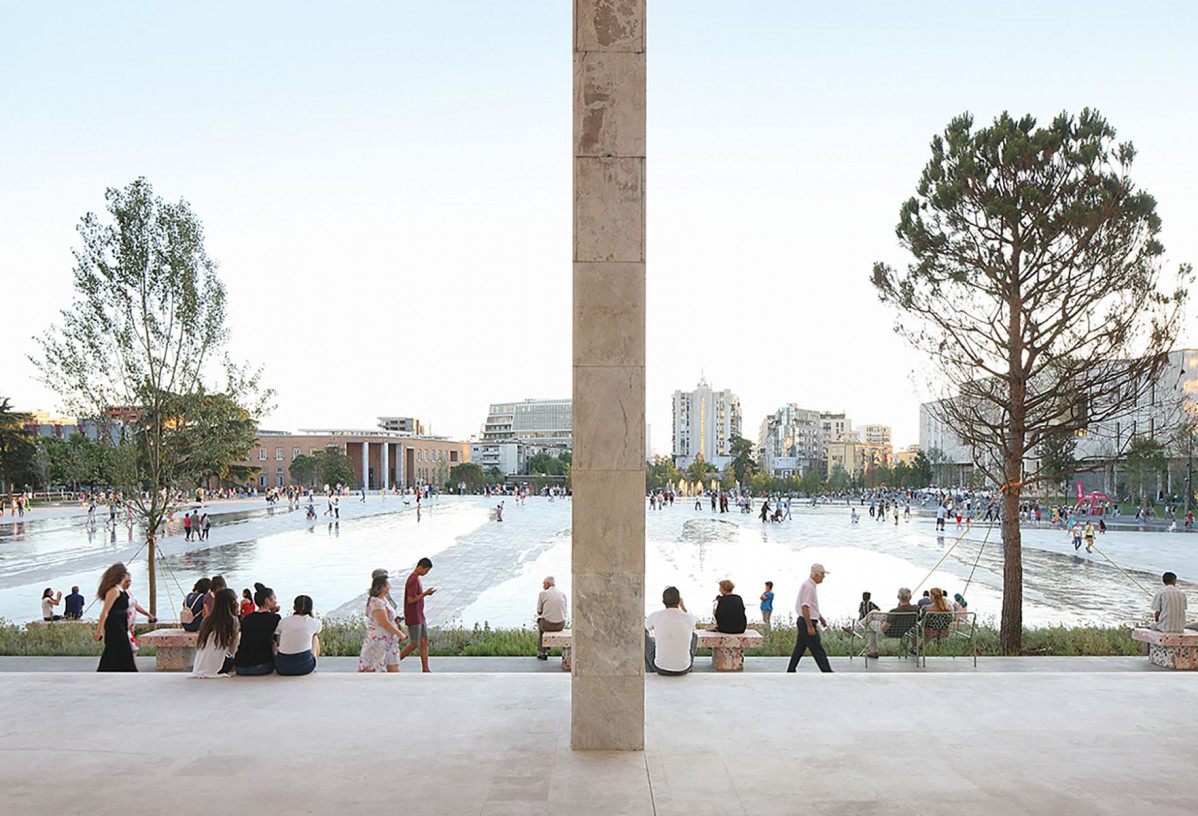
(1010, 637)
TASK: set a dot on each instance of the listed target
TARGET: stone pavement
(993, 743)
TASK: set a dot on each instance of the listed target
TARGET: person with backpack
(192, 614)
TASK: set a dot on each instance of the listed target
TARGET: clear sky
(387, 186)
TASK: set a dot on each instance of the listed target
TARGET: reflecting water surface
(489, 571)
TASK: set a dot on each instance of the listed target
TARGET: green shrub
(343, 638)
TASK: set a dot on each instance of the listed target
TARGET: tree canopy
(17, 450)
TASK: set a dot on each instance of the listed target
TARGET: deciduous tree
(144, 332)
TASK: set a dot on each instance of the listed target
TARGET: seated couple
(260, 643)
(670, 636)
(897, 623)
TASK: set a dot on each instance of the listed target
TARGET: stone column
(365, 464)
(385, 465)
(607, 685)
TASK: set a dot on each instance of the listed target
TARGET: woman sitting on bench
(729, 611)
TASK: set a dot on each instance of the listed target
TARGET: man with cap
(807, 609)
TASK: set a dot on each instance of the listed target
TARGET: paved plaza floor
(489, 743)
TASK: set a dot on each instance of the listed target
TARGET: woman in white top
(299, 645)
(49, 601)
(218, 637)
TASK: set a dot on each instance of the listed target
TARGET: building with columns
(705, 420)
(380, 459)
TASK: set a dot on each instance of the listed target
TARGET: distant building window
(295, 452)
(279, 471)
(262, 480)
(262, 456)
(278, 454)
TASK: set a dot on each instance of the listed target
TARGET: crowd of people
(250, 636)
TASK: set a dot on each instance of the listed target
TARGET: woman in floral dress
(380, 647)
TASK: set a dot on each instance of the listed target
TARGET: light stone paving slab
(963, 743)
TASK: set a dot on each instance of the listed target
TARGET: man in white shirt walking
(551, 614)
(807, 610)
(671, 649)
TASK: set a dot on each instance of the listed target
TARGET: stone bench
(1170, 650)
(175, 649)
(727, 651)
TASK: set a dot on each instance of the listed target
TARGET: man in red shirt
(414, 594)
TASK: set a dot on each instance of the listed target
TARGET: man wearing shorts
(414, 594)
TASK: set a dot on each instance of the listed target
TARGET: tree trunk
(152, 545)
(1010, 638)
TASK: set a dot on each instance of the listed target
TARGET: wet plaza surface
(490, 572)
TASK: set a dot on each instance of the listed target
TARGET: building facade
(705, 420)
(514, 432)
(1165, 407)
(403, 425)
(379, 459)
(42, 423)
(791, 442)
(876, 440)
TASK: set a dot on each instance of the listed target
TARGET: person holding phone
(414, 594)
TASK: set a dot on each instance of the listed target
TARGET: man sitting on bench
(901, 620)
(670, 639)
(1169, 607)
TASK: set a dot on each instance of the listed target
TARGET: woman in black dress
(729, 611)
(114, 622)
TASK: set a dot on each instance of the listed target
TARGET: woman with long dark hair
(113, 625)
(255, 655)
(218, 637)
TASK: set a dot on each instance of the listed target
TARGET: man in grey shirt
(1169, 607)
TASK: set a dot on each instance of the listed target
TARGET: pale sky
(387, 186)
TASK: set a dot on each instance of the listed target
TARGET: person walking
(380, 646)
(807, 609)
(113, 625)
(414, 594)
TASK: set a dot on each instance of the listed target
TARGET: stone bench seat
(1170, 650)
(727, 651)
(175, 649)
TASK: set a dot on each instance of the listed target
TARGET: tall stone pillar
(365, 464)
(608, 476)
(385, 465)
